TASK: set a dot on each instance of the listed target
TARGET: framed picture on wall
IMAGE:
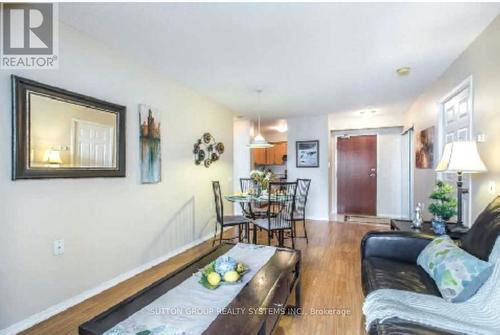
(307, 154)
(424, 155)
(150, 144)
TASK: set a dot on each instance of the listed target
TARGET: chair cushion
(262, 223)
(386, 273)
(395, 326)
(457, 274)
(231, 220)
(480, 239)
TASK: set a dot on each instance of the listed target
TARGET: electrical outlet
(481, 138)
(492, 188)
(58, 247)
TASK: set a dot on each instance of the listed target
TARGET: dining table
(255, 201)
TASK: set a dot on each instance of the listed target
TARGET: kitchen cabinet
(270, 156)
(277, 153)
(259, 156)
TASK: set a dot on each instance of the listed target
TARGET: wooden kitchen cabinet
(278, 151)
(270, 156)
(259, 156)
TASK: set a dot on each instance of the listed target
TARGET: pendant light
(259, 141)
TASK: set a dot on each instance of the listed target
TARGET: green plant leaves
(444, 205)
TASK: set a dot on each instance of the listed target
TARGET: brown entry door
(357, 175)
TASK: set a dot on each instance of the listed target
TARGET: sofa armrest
(396, 245)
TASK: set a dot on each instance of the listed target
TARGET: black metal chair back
(281, 204)
(303, 186)
(219, 205)
(247, 185)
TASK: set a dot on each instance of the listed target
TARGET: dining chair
(224, 221)
(299, 213)
(255, 211)
(279, 212)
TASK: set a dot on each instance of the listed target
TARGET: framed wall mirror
(62, 134)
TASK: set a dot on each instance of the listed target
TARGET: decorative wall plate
(207, 150)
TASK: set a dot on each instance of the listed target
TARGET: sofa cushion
(457, 274)
(386, 273)
(480, 239)
(395, 326)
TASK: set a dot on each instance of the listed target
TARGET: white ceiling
(308, 58)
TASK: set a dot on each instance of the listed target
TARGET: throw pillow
(457, 274)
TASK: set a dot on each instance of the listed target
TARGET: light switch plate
(58, 247)
(492, 188)
(481, 138)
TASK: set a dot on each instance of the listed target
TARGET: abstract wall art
(150, 144)
(424, 155)
(207, 150)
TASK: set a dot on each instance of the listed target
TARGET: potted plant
(443, 206)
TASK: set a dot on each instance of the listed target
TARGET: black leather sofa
(389, 261)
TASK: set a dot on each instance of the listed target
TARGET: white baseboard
(390, 216)
(62, 306)
(317, 218)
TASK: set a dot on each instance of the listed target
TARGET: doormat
(367, 219)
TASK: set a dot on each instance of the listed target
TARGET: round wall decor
(207, 150)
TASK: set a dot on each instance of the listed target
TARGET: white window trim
(467, 83)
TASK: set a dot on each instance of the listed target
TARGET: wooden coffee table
(267, 291)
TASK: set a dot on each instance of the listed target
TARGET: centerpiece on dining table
(261, 181)
(224, 270)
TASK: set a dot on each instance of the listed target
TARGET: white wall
(389, 174)
(354, 120)
(242, 154)
(304, 129)
(480, 60)
(110, 225)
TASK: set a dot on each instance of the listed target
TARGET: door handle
(372, 174)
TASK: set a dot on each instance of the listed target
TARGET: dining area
(272, 211)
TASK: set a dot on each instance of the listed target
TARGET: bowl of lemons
(224, 270)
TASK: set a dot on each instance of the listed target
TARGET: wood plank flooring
(330, 279)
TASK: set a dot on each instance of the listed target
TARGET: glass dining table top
(248, 198)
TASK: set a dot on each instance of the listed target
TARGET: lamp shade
(461, 157)
(53, 157)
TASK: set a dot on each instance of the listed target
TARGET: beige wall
(481, 60)
(110, 225)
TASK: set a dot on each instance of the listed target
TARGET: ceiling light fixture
(281, 127)
(368, 112)
(403, 71)
(259, 141)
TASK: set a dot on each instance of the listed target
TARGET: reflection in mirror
(65, 134)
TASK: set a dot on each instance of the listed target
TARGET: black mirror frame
(21, 128)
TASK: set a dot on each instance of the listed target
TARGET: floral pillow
(457, 274)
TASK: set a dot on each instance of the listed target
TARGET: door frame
(334, 134)
(373, 132)
(410, 131)
(466, 83)
(352, 132)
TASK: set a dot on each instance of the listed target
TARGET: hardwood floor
(330, 279)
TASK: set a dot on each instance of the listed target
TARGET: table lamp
(53, 158)
(460, 158)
